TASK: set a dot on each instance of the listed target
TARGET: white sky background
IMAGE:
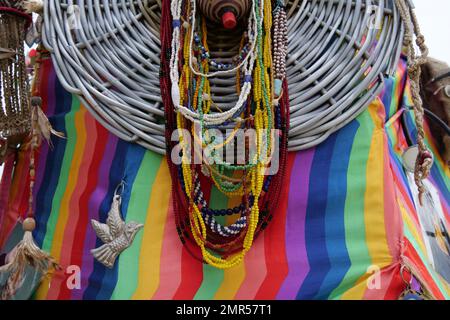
(434, 19)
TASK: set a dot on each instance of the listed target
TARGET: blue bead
(176, 23)
(277, 89)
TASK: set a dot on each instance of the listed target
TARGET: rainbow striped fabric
(346, 210)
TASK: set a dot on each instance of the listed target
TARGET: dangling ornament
(41, 124)
(27, 253)
(414, 289)
(115, 234)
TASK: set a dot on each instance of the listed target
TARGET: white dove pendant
(115, 234)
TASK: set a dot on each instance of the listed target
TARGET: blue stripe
(46, 192)
(127, 160)
(335, 212)
(316, 246)
(386, 98)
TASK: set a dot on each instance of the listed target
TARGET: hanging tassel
(41, 125)
(27, 253)
(30, 6)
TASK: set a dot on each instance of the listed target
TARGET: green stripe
(71, 141)
(212, 277)
(354, 215)
(137, 211)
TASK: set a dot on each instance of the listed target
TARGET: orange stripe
(52, 291)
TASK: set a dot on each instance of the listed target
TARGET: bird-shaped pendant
(115, 234)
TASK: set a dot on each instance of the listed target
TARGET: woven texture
(108, 54)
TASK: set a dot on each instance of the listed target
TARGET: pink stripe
(295, 226)
(378, 284)
(255, 271)
(170, 268)
(392, 215)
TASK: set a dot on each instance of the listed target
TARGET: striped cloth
(346, 210)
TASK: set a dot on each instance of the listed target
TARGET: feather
(102, 231)
(105, 255)
(114, 220)
(30, 6)
(41, 125)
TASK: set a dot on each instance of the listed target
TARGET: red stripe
(274, 238)
(5, 185)
(18, 196)
(191, 268)
(191, 275)
(396, 286)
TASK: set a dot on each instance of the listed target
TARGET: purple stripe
(95, 201)
(295, 226)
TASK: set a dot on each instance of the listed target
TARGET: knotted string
(424, 160)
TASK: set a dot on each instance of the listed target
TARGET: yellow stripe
(414, 231)
(374, 205)
(63, 215)
(374, 198)
(149, 264)
(232, 281)
(357, 291)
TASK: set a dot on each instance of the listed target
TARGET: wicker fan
(108, 54)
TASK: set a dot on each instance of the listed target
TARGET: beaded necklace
(185, 87)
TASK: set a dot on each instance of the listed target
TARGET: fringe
(27, 254)
(30, 6)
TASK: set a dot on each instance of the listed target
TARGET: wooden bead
(36, 101)
(29, 224)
